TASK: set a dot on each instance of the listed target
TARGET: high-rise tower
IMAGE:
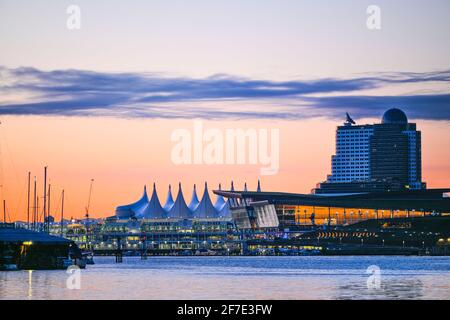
(378, 157)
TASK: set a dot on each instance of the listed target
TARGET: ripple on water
(239, 278)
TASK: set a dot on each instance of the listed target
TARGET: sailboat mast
(34, 205)
(48, 212)
(62, 212)
(38, 218)
(4, 211)
(45, 197)
(28, 202)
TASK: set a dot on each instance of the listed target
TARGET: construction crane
(89, 199)
(87, 216)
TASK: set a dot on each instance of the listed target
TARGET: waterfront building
(377, 157)
(166, 236)
(221, 205)
(194, 200)
(205, 208)
(376, 174)
(178, 209)
(306, 211)
(135, 209)
(154, 210)
(398, 236)
(146, 225)
(28, 249)
(169, 200)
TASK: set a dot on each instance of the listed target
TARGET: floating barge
(30, 250)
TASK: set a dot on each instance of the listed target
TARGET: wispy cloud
(88, 93)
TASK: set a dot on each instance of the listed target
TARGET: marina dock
(26, 249)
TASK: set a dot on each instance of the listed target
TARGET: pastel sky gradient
(101, 102)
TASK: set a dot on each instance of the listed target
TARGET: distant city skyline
(101, 102)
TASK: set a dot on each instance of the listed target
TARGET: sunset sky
(102, 102)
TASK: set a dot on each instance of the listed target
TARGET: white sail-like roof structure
(220, 201)
(231, 201)
(205, 209)
(225, 211)
(222, 206)
(194, 200)
(179, 208)
(154, 209)
(169, 201)
(135, 209)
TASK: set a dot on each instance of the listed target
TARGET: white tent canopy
(145, 209)
(154, 210)
(205, 209)
(179, 208)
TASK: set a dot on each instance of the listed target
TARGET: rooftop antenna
(349, 121)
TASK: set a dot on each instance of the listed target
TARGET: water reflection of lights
(30, 283)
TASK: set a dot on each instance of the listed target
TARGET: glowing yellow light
(27, 243)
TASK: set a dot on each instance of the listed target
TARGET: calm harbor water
(239, 278)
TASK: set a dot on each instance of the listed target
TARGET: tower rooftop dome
(395, 116)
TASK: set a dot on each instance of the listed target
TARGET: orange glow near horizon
(123, 155)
